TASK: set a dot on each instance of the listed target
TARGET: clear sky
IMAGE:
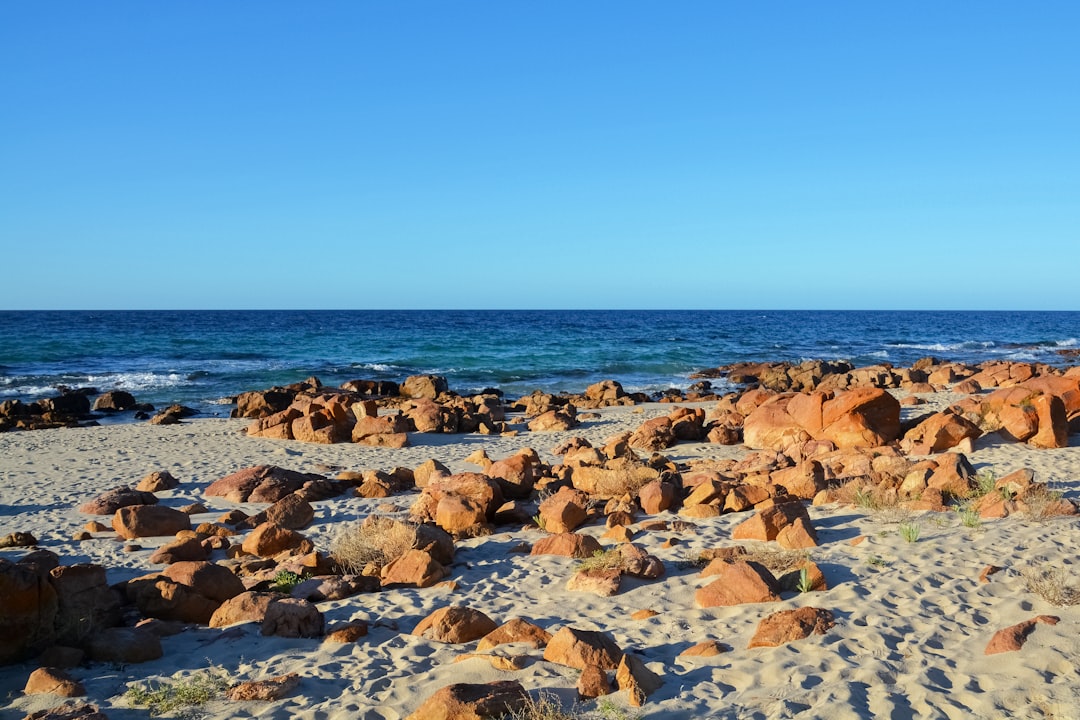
(577, 154)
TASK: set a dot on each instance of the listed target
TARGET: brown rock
(134, 521)
(604, 583)
(423, 386)
(112, 500)
(1013, 637)
(292, 512)
(555, 420)
(706, 648)
(267, 690)
(513, 631)
(638, 680)
(1053, 429)
(347, 633)
(293, 618)
(159, 597)
(455, 624)
(69, 711)
(210, 580)
(593, 683)
(86, 602)
(464, 701)
(564, 511)
(789, 625)
(124, 645)
(938, 433)
(55, 681)
(267, 540)
(188, 548)
(248, 606)
(157, 481)
(656, 496)
(738, 582)
(417, 568)
(767, 523)
(572, 545)
(582, 648)
(261, 483)
(799, 535)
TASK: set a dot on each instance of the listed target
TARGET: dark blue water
(199, 357)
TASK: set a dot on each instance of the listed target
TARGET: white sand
(910, 631)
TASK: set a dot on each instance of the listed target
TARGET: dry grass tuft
(377, 540)
(603, 560)
(1042, 503)
(1055, 584)
(776, 560)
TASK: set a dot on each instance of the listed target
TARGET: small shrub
(545, 707)
(1042, 502)
(377, 540)
(1055, 584)
(909, 531)
(286, 580)
(180, 695)
(877, 562)
(985, 480)
(540, 521)
(969, 518)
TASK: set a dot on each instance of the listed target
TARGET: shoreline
(912, 619)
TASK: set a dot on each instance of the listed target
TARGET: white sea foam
(1068, 343)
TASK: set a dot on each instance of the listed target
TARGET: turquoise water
(198, 358)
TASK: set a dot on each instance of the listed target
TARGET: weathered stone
(564, 511)
(261, 483)
(573, 545)
(248, 606)
(267, 690)
(124, 645)
(789, 625)
(289, 617)
(455, 624)
(158, 481)
(135, 521)
(604, 583)
(1012, 638)
(210, 580)
(582, 648)
(465, 701)
(514, 631)
(737, 583)
(417, 568)
(112, 500)
(54, 681)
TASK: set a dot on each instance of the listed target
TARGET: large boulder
(261, 483)
(112, 500)
(863, 417)
(423, 386)
(581, 648)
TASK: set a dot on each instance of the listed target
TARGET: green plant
(909, 531)
(865, 499)
(969, 518)
(286, 580)
(805, 584)
(985, 480)
(877, 562)
(608, 710)
(180, 695)
(541, 521)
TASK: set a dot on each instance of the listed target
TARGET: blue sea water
(200, 358)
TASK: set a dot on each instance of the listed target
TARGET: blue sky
(540, 155)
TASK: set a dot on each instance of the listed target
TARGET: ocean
(200, 358)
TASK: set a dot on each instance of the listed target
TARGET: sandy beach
(912, 619)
